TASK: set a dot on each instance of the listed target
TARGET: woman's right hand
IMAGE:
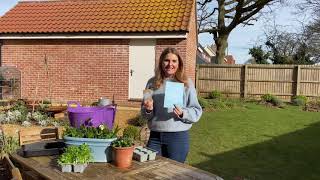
(148, 104)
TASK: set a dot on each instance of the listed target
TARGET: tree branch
(231, 9)
(255, 5)
(237, 16)
(210, 14)
(204, 3)
(252, 13)
(209, 30)
(229, 2)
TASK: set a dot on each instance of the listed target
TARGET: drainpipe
(1, 43)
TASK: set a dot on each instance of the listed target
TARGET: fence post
(244, 80)
(298, 79)
(197, 79)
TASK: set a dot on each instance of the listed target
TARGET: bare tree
(312, 36)
(220, 17)
(311, 31)
(313, 5)
(283, 47)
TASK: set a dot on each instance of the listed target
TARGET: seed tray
(143, 154)
(43, 148)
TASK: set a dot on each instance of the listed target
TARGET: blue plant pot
(101, 150)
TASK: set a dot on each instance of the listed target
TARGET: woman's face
(170, 65)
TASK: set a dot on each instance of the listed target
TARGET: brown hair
(160, 74)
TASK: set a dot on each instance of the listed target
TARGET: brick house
(229, 59)
(86, 49)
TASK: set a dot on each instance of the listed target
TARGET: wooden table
(45, 167)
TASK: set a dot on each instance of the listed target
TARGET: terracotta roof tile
(63, 16)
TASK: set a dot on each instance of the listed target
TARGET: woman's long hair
(160, 74)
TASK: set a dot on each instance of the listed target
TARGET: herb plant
(132, 132)
(84, 154)
(123, 142)
(76, 155)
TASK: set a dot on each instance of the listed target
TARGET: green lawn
(257, 142)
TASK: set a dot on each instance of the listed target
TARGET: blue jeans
(173, 145)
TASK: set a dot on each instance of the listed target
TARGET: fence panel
(284, 81)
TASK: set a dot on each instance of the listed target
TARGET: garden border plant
(215, 101)
(19, 114)
(8, 145)
(271, 99)
(300, 100)
(313, 106)
(139, 123)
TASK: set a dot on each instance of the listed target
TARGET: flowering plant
(101, 132)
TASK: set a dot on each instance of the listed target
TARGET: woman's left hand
(178, 111)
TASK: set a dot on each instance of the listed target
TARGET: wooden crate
(13, 129)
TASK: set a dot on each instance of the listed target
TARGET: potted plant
(123, 152)
(98, 139)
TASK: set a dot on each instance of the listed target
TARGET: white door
(141, 65)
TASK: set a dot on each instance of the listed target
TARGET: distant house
(210, 52)
(229, 59)
(203, 56)
(89, 49)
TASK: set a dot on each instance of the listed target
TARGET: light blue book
(173, 94)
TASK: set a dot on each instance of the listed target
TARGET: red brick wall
(81, 70)
(191, 45)
(179, 44)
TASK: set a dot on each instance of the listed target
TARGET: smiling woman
(170, 65)
(170, 126)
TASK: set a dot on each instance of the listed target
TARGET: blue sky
(240, 40)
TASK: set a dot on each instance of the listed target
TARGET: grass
(257, 143)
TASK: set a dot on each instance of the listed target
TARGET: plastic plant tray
(43, 148)
(143, 154)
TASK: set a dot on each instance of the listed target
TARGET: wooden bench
(27, 136)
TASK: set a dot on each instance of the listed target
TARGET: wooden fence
(252, 81)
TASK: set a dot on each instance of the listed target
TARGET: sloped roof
(229, 59)
(95, 16)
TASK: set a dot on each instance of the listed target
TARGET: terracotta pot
(123, 156)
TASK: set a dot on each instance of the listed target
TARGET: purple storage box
(91, 116)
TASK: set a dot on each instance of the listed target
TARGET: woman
(169, 127)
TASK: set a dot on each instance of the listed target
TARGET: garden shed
(86, 49)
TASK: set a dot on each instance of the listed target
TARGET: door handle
(131, 72)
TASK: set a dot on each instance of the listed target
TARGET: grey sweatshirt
(163, 119)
